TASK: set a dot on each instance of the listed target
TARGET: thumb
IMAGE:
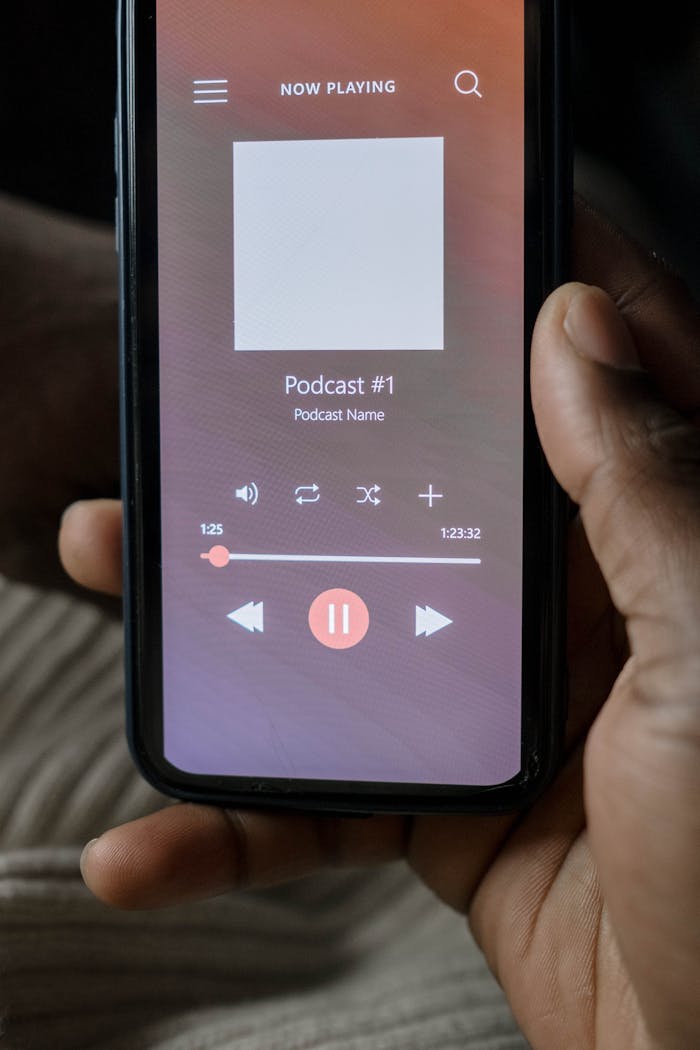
(628, 459)
(632, 463)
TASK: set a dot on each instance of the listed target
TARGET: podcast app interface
(340, 230)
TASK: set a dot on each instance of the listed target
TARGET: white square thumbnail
(339, 244)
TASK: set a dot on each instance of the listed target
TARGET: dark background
(636, 109)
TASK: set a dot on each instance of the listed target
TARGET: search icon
(472, 88)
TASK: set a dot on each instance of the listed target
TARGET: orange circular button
(338, 618)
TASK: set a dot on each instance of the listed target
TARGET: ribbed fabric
(342, 961)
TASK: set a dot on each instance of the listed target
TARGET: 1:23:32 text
(456, 532)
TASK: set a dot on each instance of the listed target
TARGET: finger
(630, 461)
(186, 852)
(633, 464)
(189, 852)
(658, 309)
(588, 597)
(452, 852)
(90, 544)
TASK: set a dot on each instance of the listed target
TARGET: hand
(588, 905)
(58, 380)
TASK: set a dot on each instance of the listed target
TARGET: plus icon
(430, 496)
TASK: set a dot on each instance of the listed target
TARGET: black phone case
(548, 218)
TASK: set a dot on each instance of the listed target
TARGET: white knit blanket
(344, 961)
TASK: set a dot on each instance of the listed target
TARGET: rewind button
(249, 616)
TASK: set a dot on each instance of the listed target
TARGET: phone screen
(340, 223)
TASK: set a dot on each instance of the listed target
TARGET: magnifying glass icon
(467, 83)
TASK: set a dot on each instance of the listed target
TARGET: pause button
(338, 618)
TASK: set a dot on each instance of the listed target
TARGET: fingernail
(83, 856)
(597, 331)
(70, 508)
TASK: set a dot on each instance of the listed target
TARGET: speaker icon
(248, 493)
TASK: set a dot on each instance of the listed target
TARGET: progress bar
(364, 558)
(220, 556)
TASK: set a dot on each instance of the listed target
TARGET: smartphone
(343, 550)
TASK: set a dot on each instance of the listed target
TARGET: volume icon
(248, 493)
